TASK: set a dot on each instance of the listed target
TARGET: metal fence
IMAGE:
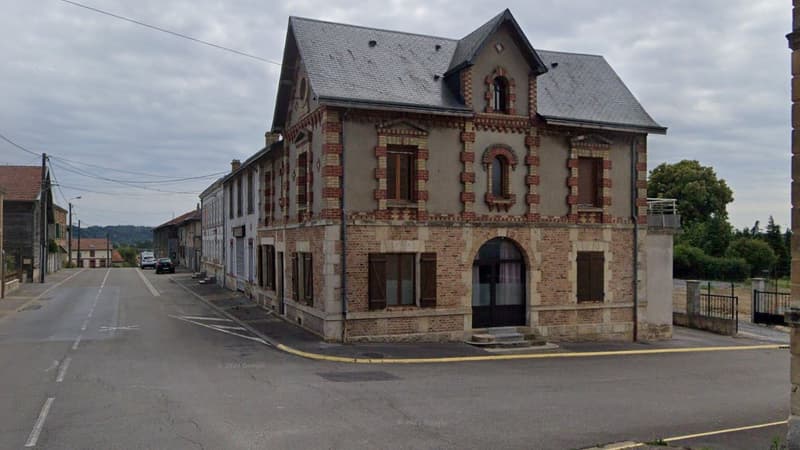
(720, 306)
(768, 307)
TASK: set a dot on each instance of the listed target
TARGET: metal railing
(768, 307)
(719, 306)
(663, 213)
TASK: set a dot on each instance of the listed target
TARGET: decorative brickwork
(508, 161)
(510, 106)
(641, 179)
(402, 133)
(590, 146)
(331, 165)
(467, 157)
(466, 86)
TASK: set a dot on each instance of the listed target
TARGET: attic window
(499, 47)
(500, 100)
(373, 43)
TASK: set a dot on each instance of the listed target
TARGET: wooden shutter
(427, 269)
(377, 281)
(596, 271)
(308, 278)
(295, 276)
(584, 279)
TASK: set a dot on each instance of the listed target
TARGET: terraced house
(426, 187)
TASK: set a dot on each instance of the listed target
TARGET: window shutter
(597, 263)
(295, 276)
(427, 269)
(377, 281)
(260, 269)
(308, 275)
(584, 277)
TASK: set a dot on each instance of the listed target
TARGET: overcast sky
(97, 90)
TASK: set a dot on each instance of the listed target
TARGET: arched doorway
(498, 285)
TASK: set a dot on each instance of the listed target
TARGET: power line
(73, 169)
(144, 174)
(55, 181)
(164, 181)
(18, 146)
(174, 33)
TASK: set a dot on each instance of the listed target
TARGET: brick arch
(526, 260)
(503, 150)
(511, 98)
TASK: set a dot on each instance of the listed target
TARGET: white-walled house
(93, 252)
(212, 205)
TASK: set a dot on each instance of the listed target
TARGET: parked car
(164, 265)
(148, 261)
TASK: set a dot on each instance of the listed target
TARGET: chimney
(270, 138)
(235, 164)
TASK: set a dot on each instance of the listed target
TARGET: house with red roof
(180, 239)
(22, 217)
(92, 252)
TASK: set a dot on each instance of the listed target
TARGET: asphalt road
(111, 365)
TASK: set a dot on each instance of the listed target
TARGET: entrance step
(504, 337)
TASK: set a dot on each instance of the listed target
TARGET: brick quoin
(332, 149)
(532, 160)
(467, 177)
(467, 157)
(572, 163)
(606, 164)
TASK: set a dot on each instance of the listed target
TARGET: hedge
(691, 262)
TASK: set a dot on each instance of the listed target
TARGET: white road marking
(77, 341)
(221, 330)
(122, 328)
(85, 324)
(102, 285)
(218, 319)
(227, 327)
(63, 370)
(52, 366)
(91, 311)
(147, 283)
(37, 427)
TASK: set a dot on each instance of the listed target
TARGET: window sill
(591, 302)
(500, 203)
(401, 204)
(587, 208)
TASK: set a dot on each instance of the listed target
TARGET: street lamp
(69, 243)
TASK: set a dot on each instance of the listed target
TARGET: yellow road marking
(727, 430)
(452, 359)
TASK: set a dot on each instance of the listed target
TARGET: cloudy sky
(98, 93)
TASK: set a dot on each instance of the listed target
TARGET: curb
(455, 359)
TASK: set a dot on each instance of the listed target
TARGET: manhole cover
(354, 377)
(31, 307)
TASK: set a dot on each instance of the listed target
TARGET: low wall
(713, 324)
(12, 286)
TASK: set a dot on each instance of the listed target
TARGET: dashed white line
(102, 285)
(85, 324)
(147, 283)
(37, 427)
(77, 341)
(63, 370)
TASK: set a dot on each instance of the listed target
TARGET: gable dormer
(494, 65)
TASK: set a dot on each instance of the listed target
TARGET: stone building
(426, 187)
(180, 240)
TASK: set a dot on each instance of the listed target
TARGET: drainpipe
(343, 235)
(635, 217)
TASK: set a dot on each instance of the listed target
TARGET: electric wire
(173, 33)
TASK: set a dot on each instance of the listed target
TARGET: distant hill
(121, 234)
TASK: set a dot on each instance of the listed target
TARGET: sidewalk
(28, 294)
(293, 339)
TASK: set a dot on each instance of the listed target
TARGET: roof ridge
(385, 30)
(570, 53)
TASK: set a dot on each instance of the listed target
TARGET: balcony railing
(663, 213)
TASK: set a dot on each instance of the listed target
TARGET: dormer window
(500, 101)
(500, 96)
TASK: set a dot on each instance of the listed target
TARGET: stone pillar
(793, 316)
(757, 284)
(692, 298)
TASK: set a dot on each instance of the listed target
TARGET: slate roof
(21, 183)
(405, 70)
(584, 88)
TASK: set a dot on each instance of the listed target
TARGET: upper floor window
(250, 190)
(500, 98)
(590, 174)
(500, 184)
(400, 162)
(302, 180)
(239, 197)
(230, 203)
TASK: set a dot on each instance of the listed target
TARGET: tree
(756, 252)
(776, 241)
(699, 192)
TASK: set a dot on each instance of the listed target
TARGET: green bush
(756, 252)
(692, 262)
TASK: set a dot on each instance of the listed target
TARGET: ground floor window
(393, 279)
(303, 277)
(269, 266)
(590, 276)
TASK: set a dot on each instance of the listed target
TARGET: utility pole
(69, 242)
(80, 263)
(43, 198)
(108, 251)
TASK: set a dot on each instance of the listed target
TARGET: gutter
(635, 217)
(630, 128)
(343, 234)
(395, 107)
